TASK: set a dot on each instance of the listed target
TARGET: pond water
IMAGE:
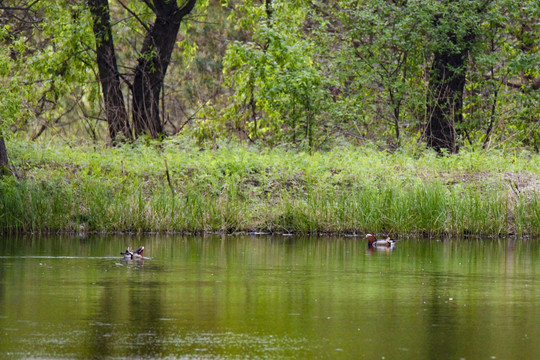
(243, 297)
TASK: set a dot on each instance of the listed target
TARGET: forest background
(361, 83)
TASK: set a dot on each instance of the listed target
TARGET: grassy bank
(173, 187)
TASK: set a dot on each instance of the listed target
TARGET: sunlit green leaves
(46, 65)
(277, 91)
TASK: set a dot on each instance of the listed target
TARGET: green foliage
(303, 75)
(378, 59)
(12, 100)
(277, 92)
(500, 104)
(45, 66)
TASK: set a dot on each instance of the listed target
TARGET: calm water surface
(268, 297)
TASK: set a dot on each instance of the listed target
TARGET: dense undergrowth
(174, 186)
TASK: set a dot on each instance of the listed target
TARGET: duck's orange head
(371, 238)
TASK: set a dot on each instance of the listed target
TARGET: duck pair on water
(372, 241)
(130, 254)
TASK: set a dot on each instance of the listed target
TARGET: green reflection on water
(268, 297)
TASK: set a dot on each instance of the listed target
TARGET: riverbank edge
(354, 236)
(168, 189)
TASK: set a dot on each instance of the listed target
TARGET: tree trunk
(447, 75)
(115, 109)
(152, 65)
(446, 85)
(4, 164)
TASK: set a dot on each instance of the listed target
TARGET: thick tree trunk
(4, 164)
(447, 75)
(152, 66)
(446, 85)
(115, 109)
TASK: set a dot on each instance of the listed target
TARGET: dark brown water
(244, 297)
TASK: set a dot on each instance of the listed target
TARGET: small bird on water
(130, 254)
(372, 241)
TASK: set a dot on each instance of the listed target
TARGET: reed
(167, 188)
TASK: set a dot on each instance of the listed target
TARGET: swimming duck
(372, 241)
(130, 254)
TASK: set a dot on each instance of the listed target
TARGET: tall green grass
(349, 190)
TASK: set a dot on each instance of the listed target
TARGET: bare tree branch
(143, 24)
